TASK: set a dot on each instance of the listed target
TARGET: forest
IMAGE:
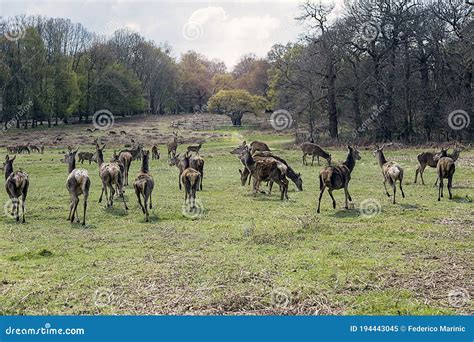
(379, 71)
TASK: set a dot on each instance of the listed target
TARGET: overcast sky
(220, 29)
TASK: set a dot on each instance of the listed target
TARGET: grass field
(243, 255)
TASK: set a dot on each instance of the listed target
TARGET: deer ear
(14, 157)
(240, 171)
(7, 158)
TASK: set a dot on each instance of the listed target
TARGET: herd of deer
(259, 163)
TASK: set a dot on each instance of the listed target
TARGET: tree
(235, 103)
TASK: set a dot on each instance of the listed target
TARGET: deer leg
(123, 198)
(450, 184)
(440, 187)
(71, 206)
(74, 206)
(319, 201)
(394, 186)
(333, 200)
(110, 202)
(179, 180)
(416, 174)
(422, 169)
(86, 196)
(401, 189)
(270, 187)
(145, 199)
(151, 199)
(385, 186)
(318, 161)
(17, 209)
(312, 161)
(304, 159)
(346, 195)
(23, 205)
(137, 192)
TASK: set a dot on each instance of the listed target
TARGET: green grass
(244, 254)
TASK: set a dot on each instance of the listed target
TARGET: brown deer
(78, 183)
(197, 163)
(23, 148)
(12, 149)
(391, 171)
(126, 159)
(111, 175)
(16, 185)
(136, 152)
(338, 177)
(82, 156)
(266, 170)
(291, 174)
(194, 148)
(144, 185)
(427, 159)
(37, 148)
(172, 145)
(178, 162)
(445, 169)
(155, 153)
(191, 179)
(239, 150)
(258, 146)
(314, 151)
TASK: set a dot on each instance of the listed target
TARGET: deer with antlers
(111, 175)
(17, 185)
(338, 177)
(78, 183)
(144, 185)
(391, 171)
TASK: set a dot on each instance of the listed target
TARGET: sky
(224, 30)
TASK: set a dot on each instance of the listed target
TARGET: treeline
(383, 70)
(53, 69)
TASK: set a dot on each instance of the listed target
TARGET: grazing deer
(155, 153)
(314, 151)
(445, 169)
(427, 159)
(266, 170)
(78, 183)
(38, 149)
(16, 185)
(258, 146)
(172, 145)
(197, 163)
(338, 177)
(391, 171)
(12, 149)
(111, 175)
(291, 174)
(194, 148)
(144, 185)
(23, 148)
(136, 152)
(89, 156)
(126, 159)
(191, 179)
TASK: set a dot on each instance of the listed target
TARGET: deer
(23, 148)
(155, 153)
(266, 170)
(291, 174)
(258, 146)
(135, 152)
(314, 151)
(445, 168)
(427, 159)
(17, 185)
(391, 171)
(194, 148)
(12, 149)
(338, 177)
(126, 159)
(89, 156)
(176, 161)
(37, 148)
(78, 183)
(111, 175)
(191, 179)
(197, 163)
(144, 185)
(172, 145)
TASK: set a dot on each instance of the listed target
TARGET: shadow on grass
(344, 213)
(463, 200)
(409, 206)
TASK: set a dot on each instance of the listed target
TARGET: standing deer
(89, 156)
(291, 174)
(16, 185)
(176, 161)
(191, 179)
(338, 177)
(314, 151)
(136, 152)
(427, 159)
(78, 183)
(258, 146)
(111, 175)
(445, 169)
(197, 163)
(194, 148)
(391, 171)
(144, 185)
(266, 170)
(126, 159)
(155, 153)
(172, 145)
